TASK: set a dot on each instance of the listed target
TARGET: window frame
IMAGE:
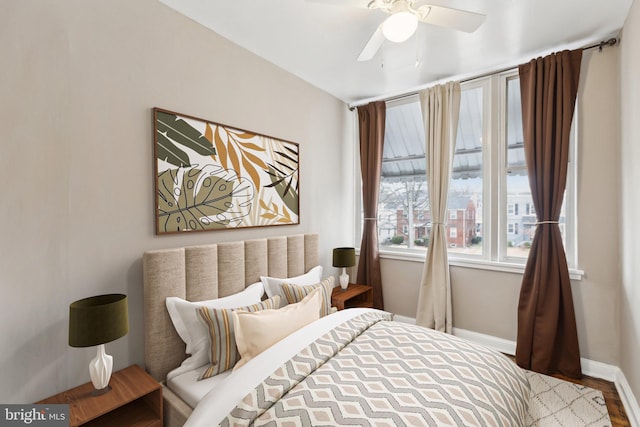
(494, 227)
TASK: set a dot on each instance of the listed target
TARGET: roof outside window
(404, 147)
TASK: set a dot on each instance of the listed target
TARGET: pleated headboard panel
(205, 272)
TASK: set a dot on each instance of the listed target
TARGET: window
(467, 180)
(403, 186)
(491, 213)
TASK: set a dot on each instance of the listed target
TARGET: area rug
(555, 402)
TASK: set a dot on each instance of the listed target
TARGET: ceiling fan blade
(349, 3)
(461, 20)
(372, 46)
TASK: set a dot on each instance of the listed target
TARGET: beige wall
(79, 79)
(486, 301)
(630, 225)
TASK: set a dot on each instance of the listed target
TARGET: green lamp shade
(98, 320)
(344, 257)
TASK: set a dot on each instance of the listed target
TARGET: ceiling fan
(404, 17)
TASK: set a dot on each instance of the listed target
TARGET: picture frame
(210, 176)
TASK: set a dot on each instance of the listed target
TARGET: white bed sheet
(189, 389)
(223, 398)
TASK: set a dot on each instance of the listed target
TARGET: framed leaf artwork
(209, 176)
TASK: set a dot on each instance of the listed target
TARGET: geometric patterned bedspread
(371, 371)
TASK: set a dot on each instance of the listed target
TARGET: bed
(356, 366)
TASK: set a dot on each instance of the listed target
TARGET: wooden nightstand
(135, 399)
(355, 296)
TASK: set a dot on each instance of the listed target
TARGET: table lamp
(344, 257)
(96, 321)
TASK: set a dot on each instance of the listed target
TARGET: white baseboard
(628, 399)
(500, 344)
(589, 367)
(599, 370)
(404, 319)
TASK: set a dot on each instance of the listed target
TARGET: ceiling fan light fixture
(399, 26)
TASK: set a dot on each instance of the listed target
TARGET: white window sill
(480, 264)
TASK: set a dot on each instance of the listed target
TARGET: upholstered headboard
(212, 271)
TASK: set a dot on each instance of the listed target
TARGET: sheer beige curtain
(547, 335)
(440, 109)
(371, 121)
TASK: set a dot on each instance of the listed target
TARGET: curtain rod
(605, 43)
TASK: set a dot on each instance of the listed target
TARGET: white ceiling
(319, 41)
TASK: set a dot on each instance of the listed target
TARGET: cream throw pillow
(257, 331)
(223, 353)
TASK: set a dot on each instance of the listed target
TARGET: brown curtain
(371, 120)
(547, 335)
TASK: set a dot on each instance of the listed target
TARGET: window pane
(403, 213)
(520, 224)
(465, 191)
(403, 208)
(515, 140)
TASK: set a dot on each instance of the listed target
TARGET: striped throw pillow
(223, 352)
(295, 293)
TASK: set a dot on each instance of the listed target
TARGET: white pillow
(193, 332)
(272, 284)
(257, 331)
